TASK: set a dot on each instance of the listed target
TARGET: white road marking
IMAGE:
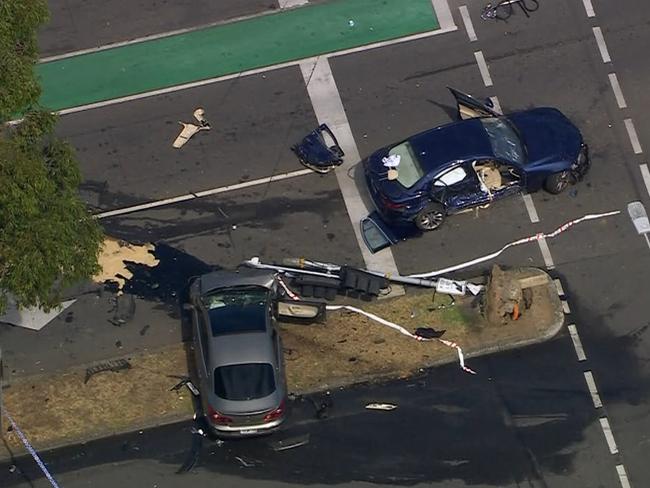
(483, 68)
(577, 343)
(618, 93)
(443, 14)
(210, 81)
(292, 3)
(591, 384)
(602, 47)
(201, 194)
(565, 307)
(497, 105)
(467, 20)
(328, 107)
(589, 8)
(546, 253)
(558, 285)
(645, 173)
(530, 207)
(634, 139)
(622, 476)
(609, 436)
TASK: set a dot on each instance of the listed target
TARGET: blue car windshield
(504, 139)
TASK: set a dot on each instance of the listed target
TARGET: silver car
(238, 350)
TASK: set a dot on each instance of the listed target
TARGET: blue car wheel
(430, 217)
(557, 182)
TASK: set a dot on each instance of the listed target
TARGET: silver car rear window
(241, 382)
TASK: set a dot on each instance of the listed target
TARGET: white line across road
(530, 207)
(609, 436)
(618, 93)
(577, 343)
(467, 20)
(631, 133)
(645, 173)
(602, 47)
(483, 68)
(201, 194)
(591, 384)
(328, 107)
(546, 254)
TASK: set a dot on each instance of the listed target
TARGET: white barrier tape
(29, 448)
(291, 294)
(525, 240)
(404, 331)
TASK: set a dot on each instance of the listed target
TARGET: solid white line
(618, 93)
(634, 139)
(255, 71)
(622, 476)
(565, 307)
(467, 20)
(483, 68)
(577, 343)
(200, 194)
(328, 107)
(591, 384)
(602, 47)
(546, 253)
(645, 173)
(530, 207)
(589, 8)
(443, 14)
(609, 436)
(558, 285)
(292, 3)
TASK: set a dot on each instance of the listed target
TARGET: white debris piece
(391, 161)
(381, 406)
(190, 129)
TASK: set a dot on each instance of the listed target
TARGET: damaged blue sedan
(483, 157)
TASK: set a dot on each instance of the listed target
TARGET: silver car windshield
(504, 139)
(240, 309)
(409, 170)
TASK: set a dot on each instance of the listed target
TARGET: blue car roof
(458, 141)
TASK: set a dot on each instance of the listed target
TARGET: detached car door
(470, 108)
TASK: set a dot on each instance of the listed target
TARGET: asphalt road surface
(530, 417)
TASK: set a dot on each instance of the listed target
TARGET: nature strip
(29, 447)
(525, 240)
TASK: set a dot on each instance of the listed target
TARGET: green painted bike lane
(229, 48)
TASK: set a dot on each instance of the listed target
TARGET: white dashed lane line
(602, 47)
(558, 286)
(530, 207)
(546, 254)
(622, 476)
(577, 343)
(467, 20)
(634, 139)
(589, 8)
(618, 93)
(645, 173)
(483, 68)
(609, 436)
(593, 391)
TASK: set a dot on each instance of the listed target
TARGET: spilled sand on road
(115, 254)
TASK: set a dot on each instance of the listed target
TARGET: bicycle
(503, 10)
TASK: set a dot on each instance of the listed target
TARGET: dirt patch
(114, 256)
(347, 348)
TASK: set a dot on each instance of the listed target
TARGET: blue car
(483, 157)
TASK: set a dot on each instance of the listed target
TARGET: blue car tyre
(430, 217)
(557, 182)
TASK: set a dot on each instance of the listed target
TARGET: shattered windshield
(504, 139)
(409, 170)
(240, 309)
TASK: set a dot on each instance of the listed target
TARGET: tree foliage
(48, 239)
(19, 89)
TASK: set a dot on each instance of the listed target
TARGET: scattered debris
(190, 129)
(113, 365)
(381, 406)
(290, 442)
(319, 150)
(428, 332)
(244, 462)
(188, 383)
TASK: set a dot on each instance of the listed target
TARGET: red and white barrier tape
(525, 240)
(289, 292)
(402, 330)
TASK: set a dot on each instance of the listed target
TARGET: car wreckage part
(525, 240)
(317, 154)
